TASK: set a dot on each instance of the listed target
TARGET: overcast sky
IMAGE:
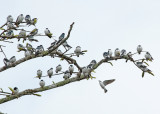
(99, 25)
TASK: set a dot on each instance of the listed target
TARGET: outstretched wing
(106, 82)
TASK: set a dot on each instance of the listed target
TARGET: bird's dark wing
(106, 82)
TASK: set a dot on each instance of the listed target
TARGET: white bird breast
(42, 83)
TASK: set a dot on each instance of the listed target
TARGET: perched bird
(61, 36)
(6, 62)
(66, 45)
(85, 71)
(92, 63)
(53, 45)
(58, 68)
(105, 55)
(139, 49)
(148, 56)
(60, 51)
(66, 75)
(142, 67)
(28, 19)
(71, 69)
(10, 25)
(110, 52)
(34, 21)
(39, 50)
(30, 48)
(27, 53)
(12, 59)
(39, 73)
(123, 53)
(21, 47)
(42, 83)
(9, 33)
(34, 32)
(19, 20)
(77, 51)
(117, 52)
(9, 18)
(16, 90)
(104, 83)
(48, 33)
(22, 34)
(50, 72)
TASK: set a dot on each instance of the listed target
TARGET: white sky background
(99, 25)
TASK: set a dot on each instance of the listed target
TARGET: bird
(21, 47)
(16, 90)
(33, 21)
(19, 20)
(39, 50)
(27, 53)
(9, 33)
(123, 53)
(117, 52)
(53, 45)
(148, 56)
(93, 63)
(139, 49)
(104, 83)
(66, 45)
(66, 75)
(22, 34)
(58, 68)
(85, 71)
(34, 32)
(39, 73)
(142, 67)
(30, 48)
(10, 25)
(77, 51)
(105, 55)
(6, 62)
(59, 51)
(71, 69)
(28, 19)
(12, 59)
(50, 72)
(48, 33)
(42, 83)
(110, 52)
(9, 18)
(61, 37)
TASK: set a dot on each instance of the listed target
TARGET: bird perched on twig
(117, 52)
(9, 18)
(39, 50)
(21, 47)
(39, 73)
(12, 59)
(48, 33)
(58, 68)
(6, 62)
(42, 83)
(148, 56)
(139, 49)
(104, 83)
(71, 69)
(50, 72)
(78, 51)
(28, 19)
(19, 20)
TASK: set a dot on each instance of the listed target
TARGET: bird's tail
(105, 90)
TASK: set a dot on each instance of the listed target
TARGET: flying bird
(104, 83)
